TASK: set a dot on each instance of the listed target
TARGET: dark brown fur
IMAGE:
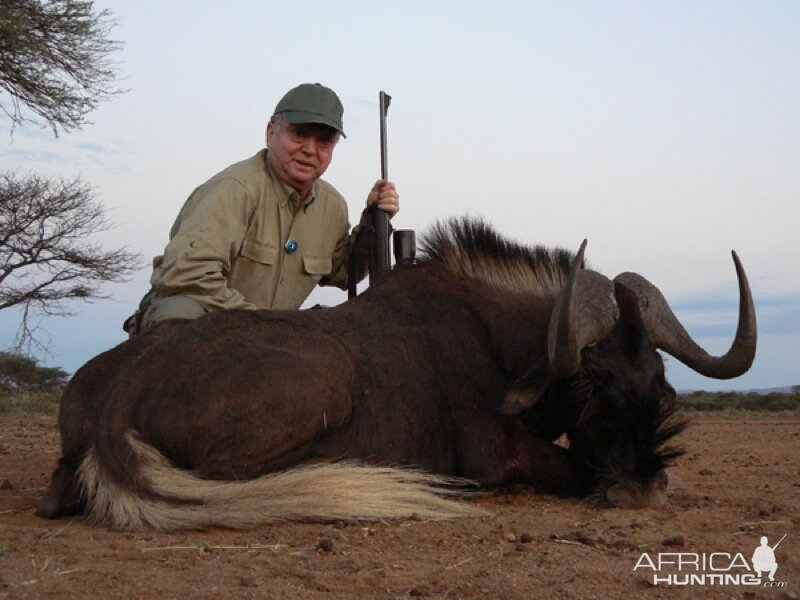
(412, 372)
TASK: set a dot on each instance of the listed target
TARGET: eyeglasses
(324, 136)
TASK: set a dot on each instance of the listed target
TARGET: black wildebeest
(468, 364)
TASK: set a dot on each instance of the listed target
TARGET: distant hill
(787, 389)
(767, 400)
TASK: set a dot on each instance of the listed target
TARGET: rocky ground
(739, 480)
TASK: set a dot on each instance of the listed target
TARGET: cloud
(28, 131)
(715, 313)
(35, 156)
(96, 148)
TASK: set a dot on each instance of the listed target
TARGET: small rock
(622, 545)
(586, 538)
(522, 548)
(418, 591)
(246, 582)
(705, 472)
(365, 578)
(325, 544)
(6, 485)
(525, 538)
(763, 512)
(328, 533)
(674, 541)
(510, 537)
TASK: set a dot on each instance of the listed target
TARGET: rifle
(379, 252)
(378, 227)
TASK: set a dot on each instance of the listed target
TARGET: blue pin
(291, 246)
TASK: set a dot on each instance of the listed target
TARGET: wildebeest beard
(622, 421)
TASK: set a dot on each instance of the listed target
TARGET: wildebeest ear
(628, 301)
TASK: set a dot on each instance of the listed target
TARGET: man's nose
(310, 144)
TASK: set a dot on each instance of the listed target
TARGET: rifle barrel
(384, 100)
(779, 541)
(379, 255)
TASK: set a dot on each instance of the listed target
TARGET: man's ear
(269, 132)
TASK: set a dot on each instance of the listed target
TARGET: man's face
(301, 153)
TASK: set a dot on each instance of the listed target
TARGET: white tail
(320, 492)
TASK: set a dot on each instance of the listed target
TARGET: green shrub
(740, 402)
(28, 388)
(18, 372)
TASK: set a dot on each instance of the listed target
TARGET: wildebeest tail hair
(177, 499)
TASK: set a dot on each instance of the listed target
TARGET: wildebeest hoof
(48, 508)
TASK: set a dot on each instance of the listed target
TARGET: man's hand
(385, 195)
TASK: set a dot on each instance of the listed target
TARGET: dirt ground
(739, 480)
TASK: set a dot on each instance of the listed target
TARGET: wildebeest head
(593, 371)
(602, 346)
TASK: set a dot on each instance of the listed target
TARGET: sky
(665, 133)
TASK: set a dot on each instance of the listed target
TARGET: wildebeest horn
(585, 312)
(667, 333)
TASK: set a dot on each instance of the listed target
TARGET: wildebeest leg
(496, 450)
(80, 404)
(63, 497)
(551, 470)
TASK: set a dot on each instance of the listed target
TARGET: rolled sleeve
(198, 258)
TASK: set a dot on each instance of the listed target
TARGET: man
(764, 558)
(265, 231)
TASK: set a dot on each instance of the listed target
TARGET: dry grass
(28, 402)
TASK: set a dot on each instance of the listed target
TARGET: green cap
(312, 103)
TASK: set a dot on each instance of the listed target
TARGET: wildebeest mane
(472, 248)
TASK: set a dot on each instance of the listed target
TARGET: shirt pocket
(317, 266)
(260, 253)
(254, 272)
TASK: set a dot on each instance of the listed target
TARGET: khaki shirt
(227, 247)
